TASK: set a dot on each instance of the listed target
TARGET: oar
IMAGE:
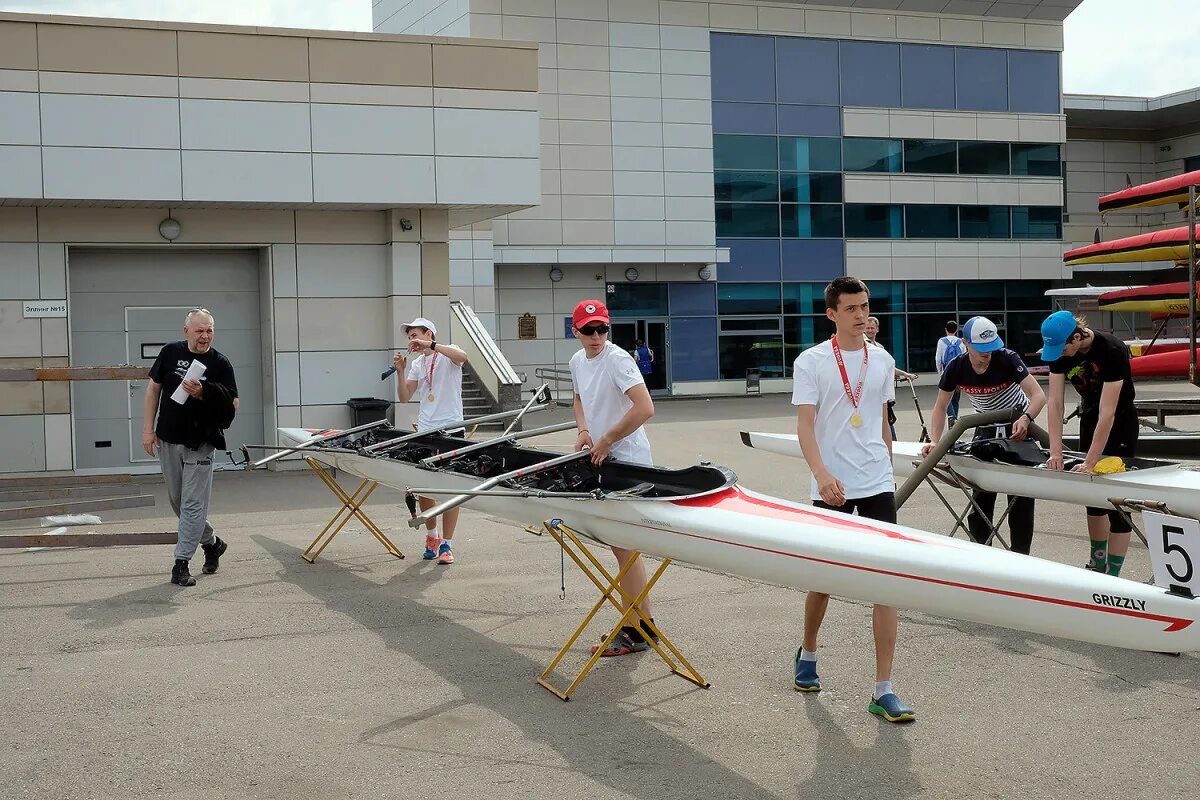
(503, 438)
(313, 441)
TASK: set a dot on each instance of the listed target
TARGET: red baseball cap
(589, 311)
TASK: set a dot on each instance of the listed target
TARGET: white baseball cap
(981, 333)
(420, 322)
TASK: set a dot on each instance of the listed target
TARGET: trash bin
(754, 380)
(367, 409)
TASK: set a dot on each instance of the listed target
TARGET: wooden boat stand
(610, 592)
(351, 508)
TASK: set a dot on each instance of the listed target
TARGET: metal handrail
(479, 336)
(556, 375)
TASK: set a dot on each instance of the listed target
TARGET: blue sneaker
(807, 679)
(431, 547)
(890, 708)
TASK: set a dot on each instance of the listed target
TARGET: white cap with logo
(420, 322)
(981, 334)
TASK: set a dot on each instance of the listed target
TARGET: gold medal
(856, 420)
(430, 399)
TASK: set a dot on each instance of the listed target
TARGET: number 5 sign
(1174, 551)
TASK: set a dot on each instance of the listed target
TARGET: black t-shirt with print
(998, 387)
(1105, 361)
(177, 423)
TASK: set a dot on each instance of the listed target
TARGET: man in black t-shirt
(189, 429)
(1097, 365)
(995, 379)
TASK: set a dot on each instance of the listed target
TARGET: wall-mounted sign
(44, 308)
(568, 328)
(527, 326)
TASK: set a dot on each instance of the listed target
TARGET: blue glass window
(813, 259)
(928, 74)
(886, 296)
(744, 118)
(981, 297)
(935, 296)
(810, 155)
(694, 349)
(748, 187)
(742, 351)
(801, 333)
(747, 298)
(1036, 159)
(810, 120)
(872, 221)
(870, 74)
(1033, 85)
(872, 155)
(692, 299)
(804, 298)
(810, 187)
(929, 156)
(743, 67)
(1027, 296)
(983, 222)
(808, 221)
(747, 219)
(808, 70)
(1037, 222)
(750, 260)
(638, 299)
(931, 222)
(983, 158)
(981, 79)
(744, 152)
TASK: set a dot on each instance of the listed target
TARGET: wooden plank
(86, 539)
(69, 492)
(122, 373)
(43, 482)
(77, 507)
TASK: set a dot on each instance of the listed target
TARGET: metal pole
(537, 397)
(456, 501)
(315, 440)
(390, 443)
(1193, 378)
(512, 437)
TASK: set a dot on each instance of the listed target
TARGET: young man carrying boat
(1097, 365)
(611, 405)
(994, 378)
(435, 377)
(840, 390)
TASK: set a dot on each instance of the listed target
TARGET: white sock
(435, 533)
(807, 655)
(882, 688)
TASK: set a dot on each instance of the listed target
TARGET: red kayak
(1167, 191)
(1162, 365)
(1168, 245)
(1165, 298)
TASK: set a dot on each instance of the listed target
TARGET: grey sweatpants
(188, 474)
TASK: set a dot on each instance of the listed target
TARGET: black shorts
(880, 507)
(1122, 441)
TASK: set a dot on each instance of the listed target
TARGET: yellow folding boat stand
(352, 509)
(611, 592)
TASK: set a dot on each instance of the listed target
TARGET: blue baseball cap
(981, 334)
(1057, 329)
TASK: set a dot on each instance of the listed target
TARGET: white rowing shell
(743, 533)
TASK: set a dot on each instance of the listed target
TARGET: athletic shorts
(879, 507)
(1122, 441)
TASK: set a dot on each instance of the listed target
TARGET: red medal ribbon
(429, 377)
(855, 395)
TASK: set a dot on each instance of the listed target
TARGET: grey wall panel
(247, 177)
(96, 173)
(396, 180)
(244, 125)
(342, 270)
(19, 118)
(82, 120)
(20, 171)
(387, 130)
(334, 377)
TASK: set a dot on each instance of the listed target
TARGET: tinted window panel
(923, 332)
(743, 67)
(808, 70)
(694, 349)
(810, 187)
(747, 219)
(886, 296)
(744, 118)
(809, 221)
(810, 120)
(749, 187)
(1028, 296)
(1036, 159)
(874, 222)
(801, 333)
(872, 155)
(692, 299)
(750, 259)
(1033, 85)
(813, 259)
(870, 74)
(981, 79)
(810, 155)
(931, 222)
(983, 158)
(1037, 222)
(923, 155)
(983, 222)
(762, 351)
(638, 300)
(891, 335)
(748, 298)
(932, 296)
(977, 297)
(928, 73)
(744, 152)
(804, 298)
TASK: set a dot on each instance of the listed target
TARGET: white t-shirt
(858, 457)
(446, 388)
(601, 384)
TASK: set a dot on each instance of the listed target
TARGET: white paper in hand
(194, 371)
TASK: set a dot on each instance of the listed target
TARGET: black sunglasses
(589, 330)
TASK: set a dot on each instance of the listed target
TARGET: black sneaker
(212, 554)
(180, 574)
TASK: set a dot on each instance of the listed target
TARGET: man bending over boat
(840, 390)
(1097, 365)
(995, 379)
(611, 406)
(435, 377)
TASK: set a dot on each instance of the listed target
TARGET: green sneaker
(890, 708)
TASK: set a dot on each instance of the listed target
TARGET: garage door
(124, 305)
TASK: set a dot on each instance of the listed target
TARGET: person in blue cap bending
(1097, 365)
